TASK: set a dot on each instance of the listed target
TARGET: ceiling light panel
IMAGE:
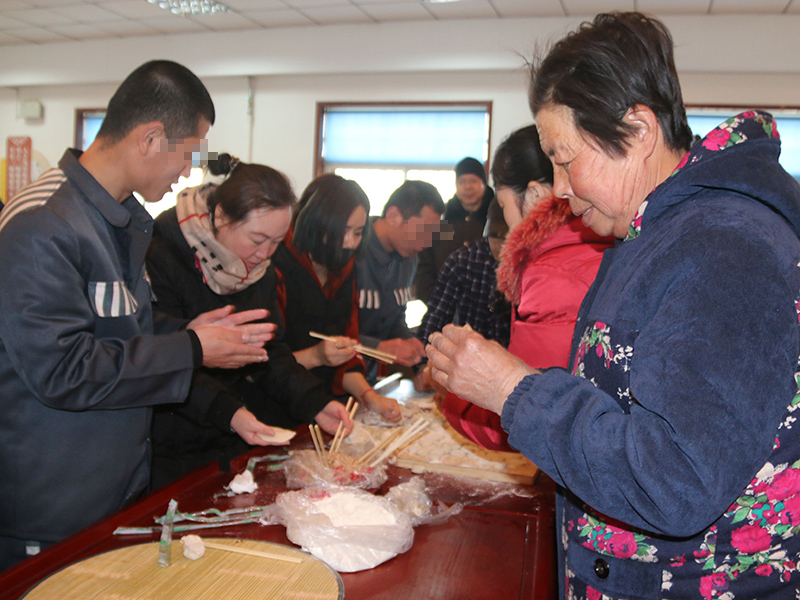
(191, 7)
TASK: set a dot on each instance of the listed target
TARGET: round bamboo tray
(133, 572)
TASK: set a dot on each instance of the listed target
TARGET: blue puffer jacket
(673, 431)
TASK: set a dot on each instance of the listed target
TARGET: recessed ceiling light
(191, 7)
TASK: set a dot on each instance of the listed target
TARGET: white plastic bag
(348, 528)
(411, 498)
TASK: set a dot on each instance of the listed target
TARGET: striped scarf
(223, 271)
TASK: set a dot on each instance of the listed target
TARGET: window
(380, 145)
(703, 119)
(87, 124)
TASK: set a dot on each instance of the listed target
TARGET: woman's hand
(408, 352)
(473, 367)
(332, 353)
(333, 414)
(326, 353)
(423, 381)
(248, 427)
(387, 408)
(227, 348)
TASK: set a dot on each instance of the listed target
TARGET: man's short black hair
(411, 197)
(159, 90)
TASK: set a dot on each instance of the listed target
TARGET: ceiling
(53, 21)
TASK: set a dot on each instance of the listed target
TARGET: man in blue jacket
(80, 361)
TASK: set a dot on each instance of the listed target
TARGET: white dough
(346, 510)
(281, 435)
(193, 546)
(243, 483)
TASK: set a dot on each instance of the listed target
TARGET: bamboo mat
(133, 573)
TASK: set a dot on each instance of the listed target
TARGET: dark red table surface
(501, 546)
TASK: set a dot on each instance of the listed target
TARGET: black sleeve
(283, 378)
(425, 278)
(211, 401)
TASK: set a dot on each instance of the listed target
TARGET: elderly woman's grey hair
(605, 68)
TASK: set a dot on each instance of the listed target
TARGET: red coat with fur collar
(548, 263)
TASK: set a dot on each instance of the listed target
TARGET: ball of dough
(193, 546)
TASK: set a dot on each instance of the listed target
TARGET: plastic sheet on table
(304, 469)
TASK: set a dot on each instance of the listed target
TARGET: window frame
(81, 114)
(324, 107)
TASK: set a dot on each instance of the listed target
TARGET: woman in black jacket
(316, 266)
(213, 250)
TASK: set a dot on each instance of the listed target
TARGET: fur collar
(526, 242)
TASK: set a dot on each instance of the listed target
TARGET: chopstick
(215, 546)
(371, 352)
(351, 407)
(407, 436)
(387, 380)
(375, 449)
(313, 429)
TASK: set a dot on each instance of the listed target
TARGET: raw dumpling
(281, 435)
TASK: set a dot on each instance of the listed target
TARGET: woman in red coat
(548, 263)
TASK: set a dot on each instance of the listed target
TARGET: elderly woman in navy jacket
(673, 430)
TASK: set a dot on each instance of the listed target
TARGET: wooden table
(501, 546)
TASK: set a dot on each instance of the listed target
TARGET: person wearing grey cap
(465, 216)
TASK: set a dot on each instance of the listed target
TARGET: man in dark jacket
(463, 221)
(80, 366)
(386, 270)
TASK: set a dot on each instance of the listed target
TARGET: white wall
(727, 60)
(284, 110)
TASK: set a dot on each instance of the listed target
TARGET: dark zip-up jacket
(79, 366)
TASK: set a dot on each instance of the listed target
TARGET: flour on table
(346, 510)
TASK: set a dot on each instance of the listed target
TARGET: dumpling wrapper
(281, 435)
